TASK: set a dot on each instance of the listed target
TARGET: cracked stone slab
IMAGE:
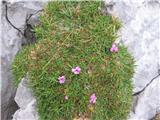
(140, 34)
(10, 45)
(148, 103)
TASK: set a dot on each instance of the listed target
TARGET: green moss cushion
(75, 68)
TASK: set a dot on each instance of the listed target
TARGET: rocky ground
(16, 22)
(140, 33)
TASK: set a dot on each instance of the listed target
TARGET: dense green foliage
(77, 34)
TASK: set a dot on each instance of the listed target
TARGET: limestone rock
(23, 94)
(148, 102)
(26, 102)
(10, 44)
(140, 33)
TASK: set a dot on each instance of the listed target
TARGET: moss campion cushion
(75, 68)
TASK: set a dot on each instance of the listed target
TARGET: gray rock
(26, 103)
(10, 45)
(23, 95)
(148, 103)
(140, 33)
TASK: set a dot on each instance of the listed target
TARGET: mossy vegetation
(77, 34)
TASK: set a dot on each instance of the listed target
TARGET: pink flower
(93, 98)
(76, 70)
(66, 97)
(61, 79)
(114, 48)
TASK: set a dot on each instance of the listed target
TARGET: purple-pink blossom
(76, 70)
(114, 48)
(93, 98)
(66, 97)
(61, 79)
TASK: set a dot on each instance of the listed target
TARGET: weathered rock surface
(26, 101)
(10, 45)
(140, 33)
(148, 103)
